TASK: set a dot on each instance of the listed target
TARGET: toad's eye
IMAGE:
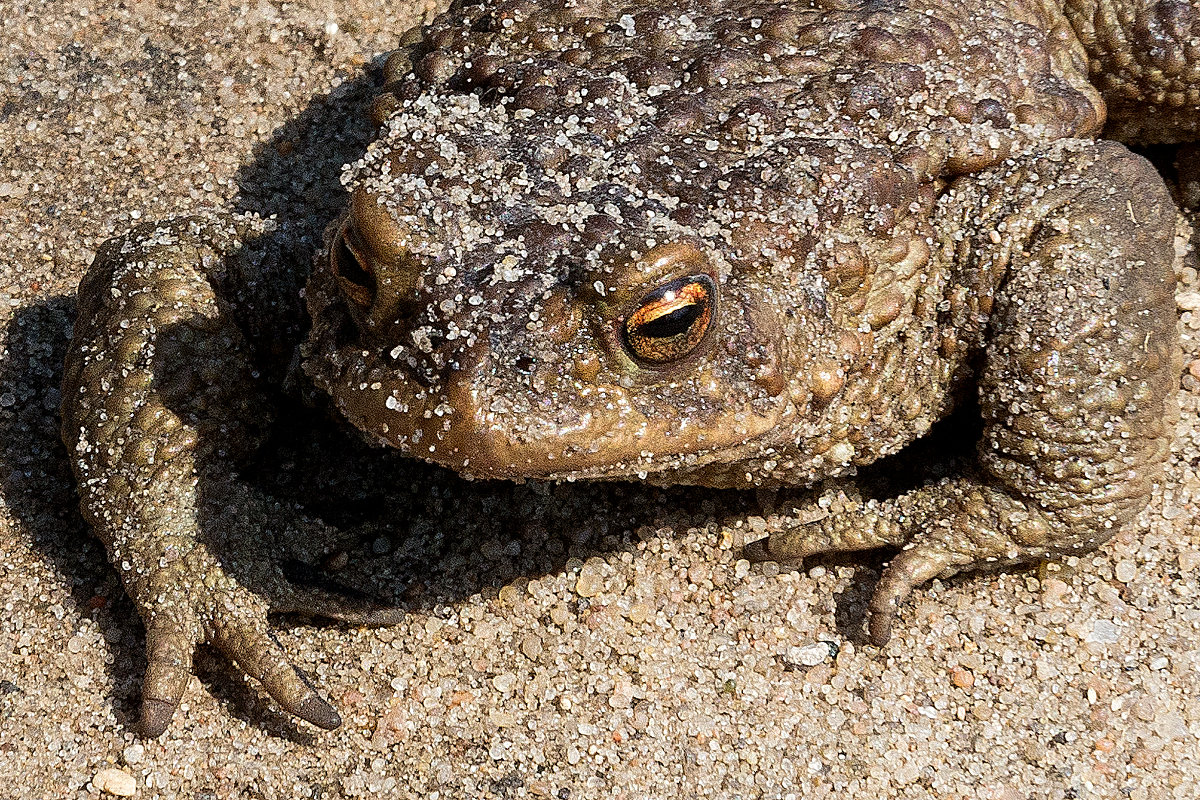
(671, 321)
(354, 273)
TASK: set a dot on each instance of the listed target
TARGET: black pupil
(675, 323)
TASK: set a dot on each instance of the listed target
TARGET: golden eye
(671, 321)
(354, 274)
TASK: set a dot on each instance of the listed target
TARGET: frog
(688, 242)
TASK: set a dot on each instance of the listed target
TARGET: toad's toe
(920, 562)
(169, 646)
(246, 640)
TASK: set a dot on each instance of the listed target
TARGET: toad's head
(514, 294)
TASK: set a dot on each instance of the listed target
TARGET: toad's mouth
(475, 424)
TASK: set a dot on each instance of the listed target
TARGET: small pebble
(1053, 591)
(531, 646)
(810, 654)
(589, 585)
(1104, 632)
(559, 615)
(390, 727)
(1170, 725)
(133, 754)
(639, 613)
(116, 782)
(1125, 571)
(1188, 301)
(962, 678)
(510, 594)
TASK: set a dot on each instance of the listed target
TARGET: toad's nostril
(354, 274)
(388, 251)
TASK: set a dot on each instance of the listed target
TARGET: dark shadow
(38, 488)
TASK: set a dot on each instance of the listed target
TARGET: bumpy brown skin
(885, 207)
(1144, 57)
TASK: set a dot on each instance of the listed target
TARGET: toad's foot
(944, 528)
(161, 402)
(220, 592)
(1076, 387)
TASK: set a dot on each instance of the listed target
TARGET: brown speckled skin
(897, 204)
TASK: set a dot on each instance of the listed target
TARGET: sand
(562, 642)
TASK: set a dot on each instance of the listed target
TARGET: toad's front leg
(1068, 264)
(160, 402)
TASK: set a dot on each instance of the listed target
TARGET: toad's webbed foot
(161, 402)
(1080, 360)
(943, 528)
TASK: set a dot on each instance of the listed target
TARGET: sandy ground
(565, 642)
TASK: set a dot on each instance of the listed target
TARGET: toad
(683, 242)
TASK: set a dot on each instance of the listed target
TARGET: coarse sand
(563, 641)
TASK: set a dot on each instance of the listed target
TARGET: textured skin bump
(893, 207)
(1145, 58)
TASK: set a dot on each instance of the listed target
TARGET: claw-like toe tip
(758, 550)
(319, 713)
(156, 716)
(879, 628)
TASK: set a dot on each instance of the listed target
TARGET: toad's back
(960, 80)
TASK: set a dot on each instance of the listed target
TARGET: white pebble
(1188, 301)
(116, 782)
(810, 654)
(1104, 632)
(134, 754)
